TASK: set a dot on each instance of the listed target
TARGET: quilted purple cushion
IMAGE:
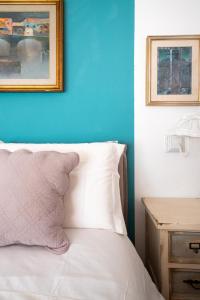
(32, 189)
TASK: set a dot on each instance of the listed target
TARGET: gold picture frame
(172, 70)
(31, 40)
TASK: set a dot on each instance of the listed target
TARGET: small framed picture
(172, 71)
(31, 45)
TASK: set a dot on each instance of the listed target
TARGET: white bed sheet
(99, 265)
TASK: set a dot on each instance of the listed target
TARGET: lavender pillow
(32, 189)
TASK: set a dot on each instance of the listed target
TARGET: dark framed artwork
(172, 70)
(31, 45)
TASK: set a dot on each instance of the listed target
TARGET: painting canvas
(30, 46)
(173, 70)
(24, 45)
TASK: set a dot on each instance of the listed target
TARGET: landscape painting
(24, 45)
(174, 70)
(31, 46)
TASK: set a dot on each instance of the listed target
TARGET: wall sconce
(177, 140)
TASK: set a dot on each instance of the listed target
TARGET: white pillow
(93, 200)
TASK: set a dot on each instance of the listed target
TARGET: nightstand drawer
(185, 247)
(185, 284)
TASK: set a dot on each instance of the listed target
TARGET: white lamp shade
(188, 126)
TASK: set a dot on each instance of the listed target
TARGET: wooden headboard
(124, 185)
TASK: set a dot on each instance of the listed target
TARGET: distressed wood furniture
(173, 246)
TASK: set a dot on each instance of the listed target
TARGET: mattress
(99, 265)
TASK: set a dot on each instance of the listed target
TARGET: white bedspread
(100, 265)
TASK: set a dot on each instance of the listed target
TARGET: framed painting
(31, 45)
(172, 73)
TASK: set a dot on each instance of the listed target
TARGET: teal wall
(97, 104)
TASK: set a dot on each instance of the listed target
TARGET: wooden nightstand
(173, 246)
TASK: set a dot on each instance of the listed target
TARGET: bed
(99, 265)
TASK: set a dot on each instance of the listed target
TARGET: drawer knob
(195, 284)
(195, 247)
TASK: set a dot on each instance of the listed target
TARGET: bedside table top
(174, 213)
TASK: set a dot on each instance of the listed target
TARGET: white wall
(158, 173)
